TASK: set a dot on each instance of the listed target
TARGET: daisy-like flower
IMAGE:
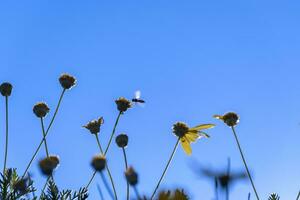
(94, 125)
(188, 135)
(67, 81)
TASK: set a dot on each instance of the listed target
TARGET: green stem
(107, 168)
(6, 138)
(137, 192)
(166, 168)
(113, 133)
(91, 179)
(51, 122)
(44, 137)
(126, 166)
(244, 161)
(43, 190)
(298, 196)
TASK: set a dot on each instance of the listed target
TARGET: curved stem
(106, 185)
(126, 166)
(44, 137)
(137, 192)
(244, 161)
(113, 133)
(41, 142)
(166, 168)
(6, 137)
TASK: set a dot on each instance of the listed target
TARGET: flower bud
(94, 125)
(230, 118)
(5, 89)
(122, 140)
(123, 104)
(131, 176)
(48, 165)
(180, 129)
(67, 81)
(40, 109)
(99, 163)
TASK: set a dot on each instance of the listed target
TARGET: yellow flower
(188, 135)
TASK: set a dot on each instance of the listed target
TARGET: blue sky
(190, 60)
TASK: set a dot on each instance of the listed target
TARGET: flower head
(98, 163)
(188, 135)
(21, 185)
(49, 164)
(5, 89)
(230, 118)
(94, 125)
(123, 104)
(131, 176)
(40, 109)
(122, 140)
(67, 81)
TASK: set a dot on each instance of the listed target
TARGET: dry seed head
(131, 176)
(122, 140)
(123, 104)
(48, 164)
(40, 109)
(231, 119)
(180, 129)
(5, 89)
(98, 163)
(94, 125)
(67, 81)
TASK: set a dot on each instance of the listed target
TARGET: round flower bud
(98, 163)
(67, 81)
(94, 125)
(48, 165)
(131, 176)
(40, 109)
(122, 140)
(5, 89)
(231, 119)
(180, 129)
(123, 104)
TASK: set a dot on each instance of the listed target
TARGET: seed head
(67, 81)
(94, 125)
(123, 104)
(5, 89)
(131, 176)
(49, 164)
(40, 109)
(98, 163)
(122, 140)
(230, 118)
(180, 129)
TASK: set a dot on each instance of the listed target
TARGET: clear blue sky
(190, 59)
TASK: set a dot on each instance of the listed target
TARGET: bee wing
(202, 127)
(186, 145)
(137, 94)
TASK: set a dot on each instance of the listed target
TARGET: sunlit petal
(186, 145)
(202, 127)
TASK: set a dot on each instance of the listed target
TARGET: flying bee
(137, 97)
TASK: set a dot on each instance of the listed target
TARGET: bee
(137, 97)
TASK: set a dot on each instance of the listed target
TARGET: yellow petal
(202, 127)
(186, 145)
(192, 136)
(218, 117)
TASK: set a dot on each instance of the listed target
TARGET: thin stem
(113, 133)
(6, 138)
(44, 137)
(137, 192)
(100, 192)
(107, 168)
(43, 190)
(166, 168)
(41, 142)
(298, 197)
(106, 185)
(126, 166)
(91, 179)
(244, 161)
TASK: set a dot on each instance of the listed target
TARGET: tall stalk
(166, 168)
(126, 166)
(244, 161)
(49, 126)
(6, 137)
(298, 197)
